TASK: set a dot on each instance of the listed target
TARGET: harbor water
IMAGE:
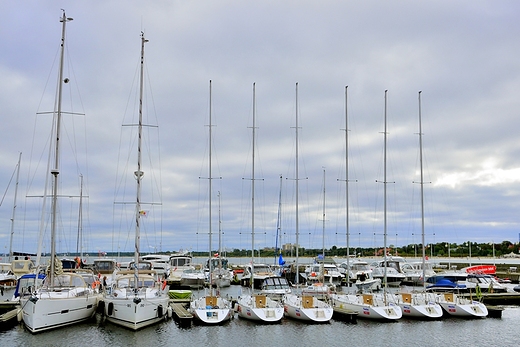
(239, 332)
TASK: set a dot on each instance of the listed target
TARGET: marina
(404, 332)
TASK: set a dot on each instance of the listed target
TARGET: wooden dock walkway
(181, 314)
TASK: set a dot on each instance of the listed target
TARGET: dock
(344, 315)
(509, 298)
(181, 314)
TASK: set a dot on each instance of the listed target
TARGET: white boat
(276, 287)
(178, 263)
(420, 305)
(256, 307)
(368, 306)
(137, 299)
(296, 305)
(193, 278)
(64, 298)
(106, 269)
(455, 305)
(7, 282)
(307, 308)
(361, 276)
(324, 273)
(260, 272)
(211, 309)
(373, 306)
(160, 262)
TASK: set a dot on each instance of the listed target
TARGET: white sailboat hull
(135, 314)
(419, 305)
(456, 306)
(307, 308)
(54, 309)
(374, 310)
(211, 310)
(268, 312)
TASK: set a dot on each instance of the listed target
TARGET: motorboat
(160, 262)
(7, 282)
(326, 273)
(179, 262)
(276, 287)
(193, 278)
(260, 272)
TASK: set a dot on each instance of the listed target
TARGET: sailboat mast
(79, 249)
(297, 178)
(210, 187)
(139, 173)
(14, 207)
(323, 232)
(384, 190)
(346, 187)
(422, 191)
(56, 169)
(278, 223)
(253, 192)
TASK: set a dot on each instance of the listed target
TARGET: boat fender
(160, 310)
(110, 308)
(169, 312)
(236, 307)
(19, 315)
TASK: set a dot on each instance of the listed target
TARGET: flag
(143, 213)
(280, 260)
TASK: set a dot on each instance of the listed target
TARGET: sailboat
(137, 299)
(256, 307)
(297, 305)
(211, 308)
(368, 305)
(64, 298)
(420, 305)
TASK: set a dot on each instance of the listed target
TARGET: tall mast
(297, 178)
(384, 186)
(14, 207)
(253, 192)
(79, 248)
(210, 188)
(346, 187)
(422, 192)
(56, 169)
(323, 233)
(278, 222)
(139, 173)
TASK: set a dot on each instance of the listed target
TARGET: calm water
(239, 332)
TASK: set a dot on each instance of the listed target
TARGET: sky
(462, 56)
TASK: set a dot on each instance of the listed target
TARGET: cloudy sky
(462, 55)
